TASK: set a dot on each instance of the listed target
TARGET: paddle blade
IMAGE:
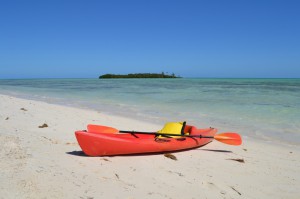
(101, 129)
(229, 138)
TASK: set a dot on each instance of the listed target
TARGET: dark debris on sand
(238, 160)
(43, 126)
(171, 156)
(234, 189)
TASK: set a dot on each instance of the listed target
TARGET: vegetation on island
(139, 75)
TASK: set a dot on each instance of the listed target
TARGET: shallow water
(263, 108)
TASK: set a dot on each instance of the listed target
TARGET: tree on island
(139, 75)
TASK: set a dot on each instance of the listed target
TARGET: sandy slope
(48, 163)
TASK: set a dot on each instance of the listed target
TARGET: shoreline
(245, 129)
(262, 109)
(47, 162)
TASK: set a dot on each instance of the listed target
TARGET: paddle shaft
(168, 134)
(226, 138)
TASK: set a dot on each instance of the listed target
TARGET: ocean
(266, 109)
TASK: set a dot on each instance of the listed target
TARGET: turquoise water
(268, 109)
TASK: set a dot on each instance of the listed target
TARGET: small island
(139, 75)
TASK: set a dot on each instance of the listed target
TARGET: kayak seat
(175, 128)
(188, 129)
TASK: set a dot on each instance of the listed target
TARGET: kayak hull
(110, 144)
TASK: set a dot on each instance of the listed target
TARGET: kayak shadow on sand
(77, 153)
(82, 154)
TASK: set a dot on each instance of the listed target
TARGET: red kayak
(107, 141)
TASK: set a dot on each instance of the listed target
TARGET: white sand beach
(48, 162)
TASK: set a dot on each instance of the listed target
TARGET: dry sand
(48, 162)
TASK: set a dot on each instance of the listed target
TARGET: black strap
(182, 129)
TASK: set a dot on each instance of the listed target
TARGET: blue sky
(77, 38)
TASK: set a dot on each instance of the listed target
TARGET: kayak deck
(109, 144)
